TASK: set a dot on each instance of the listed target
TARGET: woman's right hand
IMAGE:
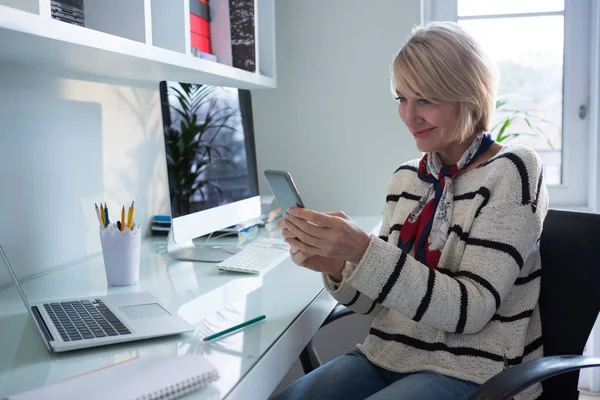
(331, 266)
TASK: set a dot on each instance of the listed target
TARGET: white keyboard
(257, 257)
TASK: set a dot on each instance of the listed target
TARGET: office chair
(569, 306)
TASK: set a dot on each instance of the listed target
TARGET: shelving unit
(140, 40)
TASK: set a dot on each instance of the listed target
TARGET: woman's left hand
(333, 235)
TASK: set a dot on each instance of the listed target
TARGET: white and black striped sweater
(477, 313)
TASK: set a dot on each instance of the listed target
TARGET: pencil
(235, 328)
(122, 218)
(102, 216)
(130, 216)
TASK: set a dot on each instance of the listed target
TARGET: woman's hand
(330, 266)
(330, 235)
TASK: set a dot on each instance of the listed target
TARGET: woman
(453, 278)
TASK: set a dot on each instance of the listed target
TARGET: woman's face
(431, 125)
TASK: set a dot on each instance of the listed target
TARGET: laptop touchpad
(140, 311)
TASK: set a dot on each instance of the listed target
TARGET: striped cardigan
(477, 313)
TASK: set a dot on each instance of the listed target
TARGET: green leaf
(505, 125)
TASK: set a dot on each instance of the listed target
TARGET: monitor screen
(209, 145)
(211, 159)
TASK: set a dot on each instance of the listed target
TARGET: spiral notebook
(147, 378)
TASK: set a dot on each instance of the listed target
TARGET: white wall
(332, 121)
(65, 144)
(31, 6)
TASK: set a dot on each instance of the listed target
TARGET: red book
(200, 25)
(200, 42)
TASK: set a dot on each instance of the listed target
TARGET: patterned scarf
(429, 222)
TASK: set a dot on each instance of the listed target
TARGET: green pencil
(234, 328)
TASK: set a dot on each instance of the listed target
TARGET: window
(541, 49)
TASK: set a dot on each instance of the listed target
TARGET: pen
(235, 328)
(106, 220)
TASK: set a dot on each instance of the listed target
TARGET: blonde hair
(442, 62)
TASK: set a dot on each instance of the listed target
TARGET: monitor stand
(206, 253)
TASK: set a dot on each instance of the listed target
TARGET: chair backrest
(570, 290)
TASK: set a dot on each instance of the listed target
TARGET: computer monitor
(211, 165)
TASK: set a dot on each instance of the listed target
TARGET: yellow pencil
(123, 218)
(129, 216)
(102, 216)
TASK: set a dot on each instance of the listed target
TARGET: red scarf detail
(419, 229)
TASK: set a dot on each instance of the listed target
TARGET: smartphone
(283, 188)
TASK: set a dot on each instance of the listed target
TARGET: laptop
(78, 323)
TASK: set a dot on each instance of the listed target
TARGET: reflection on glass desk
(251, 362)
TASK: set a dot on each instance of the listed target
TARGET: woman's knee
(351, 376)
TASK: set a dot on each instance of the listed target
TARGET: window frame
(579, 189)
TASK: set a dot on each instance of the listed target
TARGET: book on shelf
(70, 11)
(232, 29)
(147, 378)
(200, 38)
(242, 34)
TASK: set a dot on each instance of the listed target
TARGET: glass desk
(251, 363)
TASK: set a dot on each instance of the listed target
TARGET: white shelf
(32, 39)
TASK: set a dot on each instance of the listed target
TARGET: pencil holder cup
(121, 253)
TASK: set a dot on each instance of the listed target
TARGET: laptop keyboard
(84, 319)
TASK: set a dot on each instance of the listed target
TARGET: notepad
(147, 378)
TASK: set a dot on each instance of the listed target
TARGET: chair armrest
(338, 312)
(513, 380)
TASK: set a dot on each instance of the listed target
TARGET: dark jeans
(353, 376)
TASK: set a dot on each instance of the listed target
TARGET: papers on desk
(145, 378)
